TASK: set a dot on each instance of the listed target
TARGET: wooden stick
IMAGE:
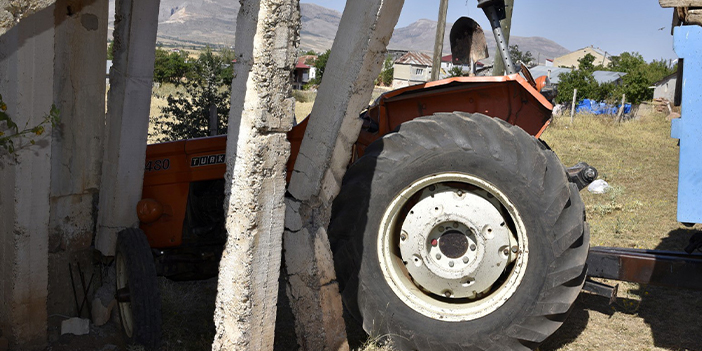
(572, 107)
(621, 109)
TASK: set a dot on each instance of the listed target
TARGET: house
(411, 69)
(447, 65)
(570, 60)
(304, 71)
(665, 88)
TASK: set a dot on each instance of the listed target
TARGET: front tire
(459, 231)
(138, 294)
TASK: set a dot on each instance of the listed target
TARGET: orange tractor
(453, 230)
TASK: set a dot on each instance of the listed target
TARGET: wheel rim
(452, 247)
(125, 308)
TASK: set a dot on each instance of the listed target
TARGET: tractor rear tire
(490, 185)
(135, 271)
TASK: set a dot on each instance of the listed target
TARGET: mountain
(420, 36)
(200, 22)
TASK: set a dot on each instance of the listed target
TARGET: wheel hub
(455, 243)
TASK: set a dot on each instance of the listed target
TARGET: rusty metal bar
(662, 268)
(602, 289)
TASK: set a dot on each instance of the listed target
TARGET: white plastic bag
(598, 187)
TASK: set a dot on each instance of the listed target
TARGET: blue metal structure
(688, 128)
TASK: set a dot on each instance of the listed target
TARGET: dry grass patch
(640, 161)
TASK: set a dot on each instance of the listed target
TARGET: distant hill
(200, 22)
(420, 36)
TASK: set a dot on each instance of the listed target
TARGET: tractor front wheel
(138, 294)
(459, 232)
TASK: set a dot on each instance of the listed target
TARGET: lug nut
(447, 293)
(403, 236)
(459, 193)
(441, 229)
(455, 224)
(465, 259)
(432, 188)
(438, 256)
(472, 247)
(450, 263)
(515, 249)
(505, 252)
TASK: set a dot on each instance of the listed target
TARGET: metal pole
(499, 67)
(439, 42)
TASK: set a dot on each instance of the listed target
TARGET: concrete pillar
(26, 85)
(262, 112)
(77, 147)
(129, 101)
(356, 60)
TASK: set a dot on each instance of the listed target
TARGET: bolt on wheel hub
(455, 243)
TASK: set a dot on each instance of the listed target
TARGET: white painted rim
(125, 308)
(427, 304)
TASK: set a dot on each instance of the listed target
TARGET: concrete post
(76, 154)
(262, 112)
(26, 84)
(129, 100)
(356, 60)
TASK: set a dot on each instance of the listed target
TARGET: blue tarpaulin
(600, 108)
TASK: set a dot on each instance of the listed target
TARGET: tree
(387, 74)
(586, 63)
(519, 56)
(188, 114)
(170, 67)
(582, 80)
(456, 71)
(110, 51)
(639, 75)
(320, 64)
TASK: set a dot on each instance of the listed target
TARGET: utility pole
(439, 42)
(499, 66)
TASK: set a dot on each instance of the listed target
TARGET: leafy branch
(12, 131)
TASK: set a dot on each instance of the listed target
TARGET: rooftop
(415, 58)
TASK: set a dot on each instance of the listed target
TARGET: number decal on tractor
(157, 165)
(207, 160)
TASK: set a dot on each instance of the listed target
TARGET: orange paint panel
(167, 231)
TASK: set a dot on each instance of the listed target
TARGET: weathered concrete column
(26, 85)
(355, 62)
(262, 111)
(129, 101)
(77, 147)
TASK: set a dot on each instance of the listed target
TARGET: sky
(615, 26)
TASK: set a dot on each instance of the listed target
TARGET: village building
(570, 60)
(447, 65)
(304, 71)
(665, 88)
(411, 69)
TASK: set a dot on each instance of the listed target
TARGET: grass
(639, 160)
